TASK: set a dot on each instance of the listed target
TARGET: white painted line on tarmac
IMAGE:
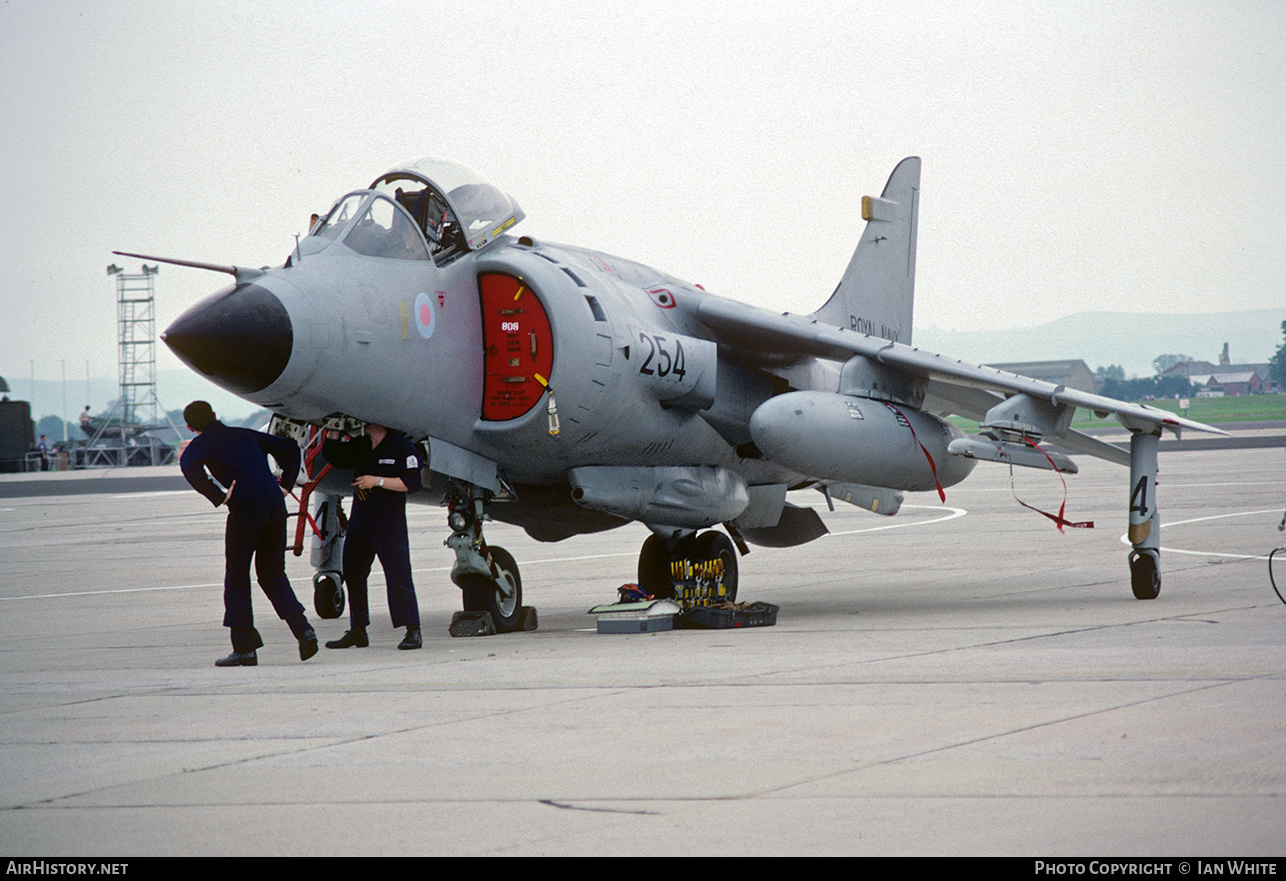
(951, 514)
(91, 593)
(156, 493)
(1125, 538)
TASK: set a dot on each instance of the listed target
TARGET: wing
(970, 390)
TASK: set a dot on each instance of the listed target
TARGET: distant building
(1073, 374)
(1191, 369)
(1225, 377)
(1230, 382)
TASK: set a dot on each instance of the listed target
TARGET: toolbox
(728, 616)
(650, 616)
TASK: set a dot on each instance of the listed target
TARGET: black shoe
(239, 659)
(308, 644)
(412, 639)
(355, 638)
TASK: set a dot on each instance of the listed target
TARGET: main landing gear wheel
(328, 594)
(480, 595)
(1145, 575)
(717, 546)
(656, 563)
(654, 569)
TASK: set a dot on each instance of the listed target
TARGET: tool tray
(725, 618)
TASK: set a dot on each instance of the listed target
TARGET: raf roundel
(424, 317)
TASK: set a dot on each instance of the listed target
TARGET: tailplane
(876, 296)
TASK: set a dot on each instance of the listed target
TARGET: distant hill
(1126, 338)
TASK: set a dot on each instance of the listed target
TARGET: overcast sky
(1119, 156)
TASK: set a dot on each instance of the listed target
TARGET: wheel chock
(527, 618)
(472, 624)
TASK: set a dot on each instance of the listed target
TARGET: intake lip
(240, 338)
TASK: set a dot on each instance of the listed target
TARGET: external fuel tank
(847, 438)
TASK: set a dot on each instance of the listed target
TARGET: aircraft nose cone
(240, 338)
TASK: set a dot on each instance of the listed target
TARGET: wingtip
(1176, 423)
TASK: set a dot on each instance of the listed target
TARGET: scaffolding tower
(136, 332)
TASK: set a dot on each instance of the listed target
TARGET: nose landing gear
(487, 576)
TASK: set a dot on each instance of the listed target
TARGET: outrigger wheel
(480, 595)
(1145, 574)
(328, 594)
(656, 562)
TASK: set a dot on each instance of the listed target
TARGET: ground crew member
(237, 459)
(388, 468)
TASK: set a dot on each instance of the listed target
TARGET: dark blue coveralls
(256, 521)
(377, 526)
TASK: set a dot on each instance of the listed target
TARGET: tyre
(480, 595)
(654, 569)
(1145, 576)
(328, 594)
(717, 546)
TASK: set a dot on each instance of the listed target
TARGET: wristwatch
(381, 483)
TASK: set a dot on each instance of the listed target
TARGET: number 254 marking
(666, 364)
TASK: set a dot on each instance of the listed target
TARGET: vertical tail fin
(876, 296)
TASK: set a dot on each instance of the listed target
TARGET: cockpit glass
(481, 206)
(457, 210)
(339, 216)
(384, 230)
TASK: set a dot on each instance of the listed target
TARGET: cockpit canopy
(451, 203)
(455, 209)
(382, 230)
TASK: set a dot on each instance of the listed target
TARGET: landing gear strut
(696, 569)
(327, 557)
(1145, 522)
(487, 576)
